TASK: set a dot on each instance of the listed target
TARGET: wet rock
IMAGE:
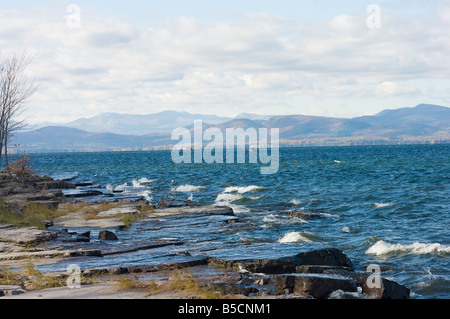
(320, 269)
(316, 285)
(54, 184)
(387, 290)
(322, 257)
(305, 214)
(107, 235)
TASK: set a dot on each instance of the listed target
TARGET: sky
(328, 58)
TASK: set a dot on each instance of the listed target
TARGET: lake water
(385, 205)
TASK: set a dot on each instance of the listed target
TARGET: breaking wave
(188, 189)
(243, 190)
(381, 248)
(299, 237)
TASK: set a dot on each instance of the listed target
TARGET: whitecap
(121, 187)
(383, 248)
(346, 229)
(295, 202)
(225, 197)
(188, 189)
(145, 180)
(382, 205)
(146, 195)
(242, 190)
(297, 237)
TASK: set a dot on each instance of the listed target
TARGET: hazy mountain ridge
(415, 123)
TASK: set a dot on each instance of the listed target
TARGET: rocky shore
(80, 232)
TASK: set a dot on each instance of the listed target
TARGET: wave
(276, 219)
(243, 190)
(295, 202)
(382, 205)
(145, 180)
(188, 189)
(146, 195)
(225, 197)
(381, 248)
(299, 237)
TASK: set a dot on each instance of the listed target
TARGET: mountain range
(113, 131)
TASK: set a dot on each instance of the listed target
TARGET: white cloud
(249, 63)
(387, 89)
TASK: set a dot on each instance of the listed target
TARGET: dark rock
(325, 257)
(83, 193)
(321, 269)
(318, 286)
(231, 288)
(306, 214)
(85, 234)
(58, 184)
(387, 290)
(107, 235)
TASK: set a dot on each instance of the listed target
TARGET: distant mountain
(424, 119)
(133, 124)
(252, 116)
(66, 139)
(421, 123)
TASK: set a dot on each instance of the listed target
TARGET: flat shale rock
(25, 235)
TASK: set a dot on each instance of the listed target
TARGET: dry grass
(32, 279)
(181, 282)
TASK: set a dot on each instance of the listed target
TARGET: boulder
(387, 290)
(317, 285)
(320, 257)
(107, 235)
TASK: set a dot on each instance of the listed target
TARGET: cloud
(249, 62)
(387, 89)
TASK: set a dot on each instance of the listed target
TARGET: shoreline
(312, 272)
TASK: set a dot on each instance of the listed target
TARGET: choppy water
(387, 205)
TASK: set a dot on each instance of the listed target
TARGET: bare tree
(15, 90)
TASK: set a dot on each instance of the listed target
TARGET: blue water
(385, 205)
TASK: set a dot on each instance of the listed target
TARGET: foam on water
(382, 205)
(381, 248)
(188, 189)
(226, 197)
(145, 180)
(295, 202)
(243, 190)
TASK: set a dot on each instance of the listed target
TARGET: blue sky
(227, 57)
